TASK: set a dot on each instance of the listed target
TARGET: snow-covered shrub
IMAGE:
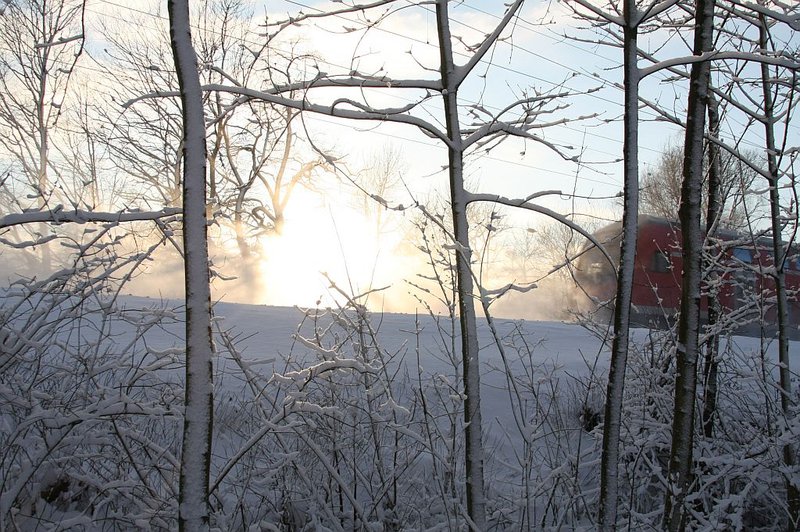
(543, 483)
(333, 436)
(89, 409)
(739, 473)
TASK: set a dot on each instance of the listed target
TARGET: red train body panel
(741, 277)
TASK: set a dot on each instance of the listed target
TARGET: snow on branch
(461, 72)
(58, 215)
(321, 80)
(655, 8)
(642, 14)
(716, 55)
(601, 14)
(366, 108)
(525, 204)
(308, 374)
(719, 93)
(300, 17)
(494, 128)
(493, 294)
(28, 243)
(59, 41)
(521, 126)
(791, 20)
(362, 81)
(332, 110)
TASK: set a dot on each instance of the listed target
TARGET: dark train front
(739, 279)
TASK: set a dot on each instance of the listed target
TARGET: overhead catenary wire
(511, 70)
(507, 68)
(498, 159)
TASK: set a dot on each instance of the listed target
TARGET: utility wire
(525, 26)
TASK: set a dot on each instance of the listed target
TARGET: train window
(661, 262)
(762, 255)
(743, 255)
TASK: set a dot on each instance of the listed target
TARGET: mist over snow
(381, 265)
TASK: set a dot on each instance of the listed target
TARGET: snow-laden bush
(89, 409)
(739, 473)
(357, 426)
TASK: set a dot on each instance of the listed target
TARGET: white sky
(536, 58)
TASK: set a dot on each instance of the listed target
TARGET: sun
(325, 241)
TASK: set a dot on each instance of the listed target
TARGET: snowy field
(548, 410)
(563, 350)
(345, 419)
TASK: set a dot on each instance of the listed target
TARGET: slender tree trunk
(680, 463)
(779, 255)
(713, 213)
(43, 180)
(607, 518)
(198, 417)
(476, 503)
(240, 230)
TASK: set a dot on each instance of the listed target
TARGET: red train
(739, 279)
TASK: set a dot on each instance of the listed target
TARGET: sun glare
(320, 239)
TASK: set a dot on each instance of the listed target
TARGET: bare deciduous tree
(199, 401)
(687, 348)
(258, 154)
(458, 138)
(626, 23)
(661, 188)
(41, 43)
(779, 257)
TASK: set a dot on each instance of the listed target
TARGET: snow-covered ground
(266, 336)
(570, 358)
(267, 333)
(327, 417)
(563, 350)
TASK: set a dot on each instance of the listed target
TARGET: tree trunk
(198, 416)
(680, 463)
(476, 503)
(713, 213)
(607, 518)
(779, 254)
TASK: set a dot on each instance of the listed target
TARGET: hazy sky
(330, 230)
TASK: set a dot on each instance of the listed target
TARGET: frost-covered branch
(527, 205)
(58, 215)
(713, 55)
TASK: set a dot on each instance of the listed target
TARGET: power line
(322, 118)
(648, 114)
(394, 95)
(404, 99)
(525, 26)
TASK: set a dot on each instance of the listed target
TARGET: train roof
(612, 230)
